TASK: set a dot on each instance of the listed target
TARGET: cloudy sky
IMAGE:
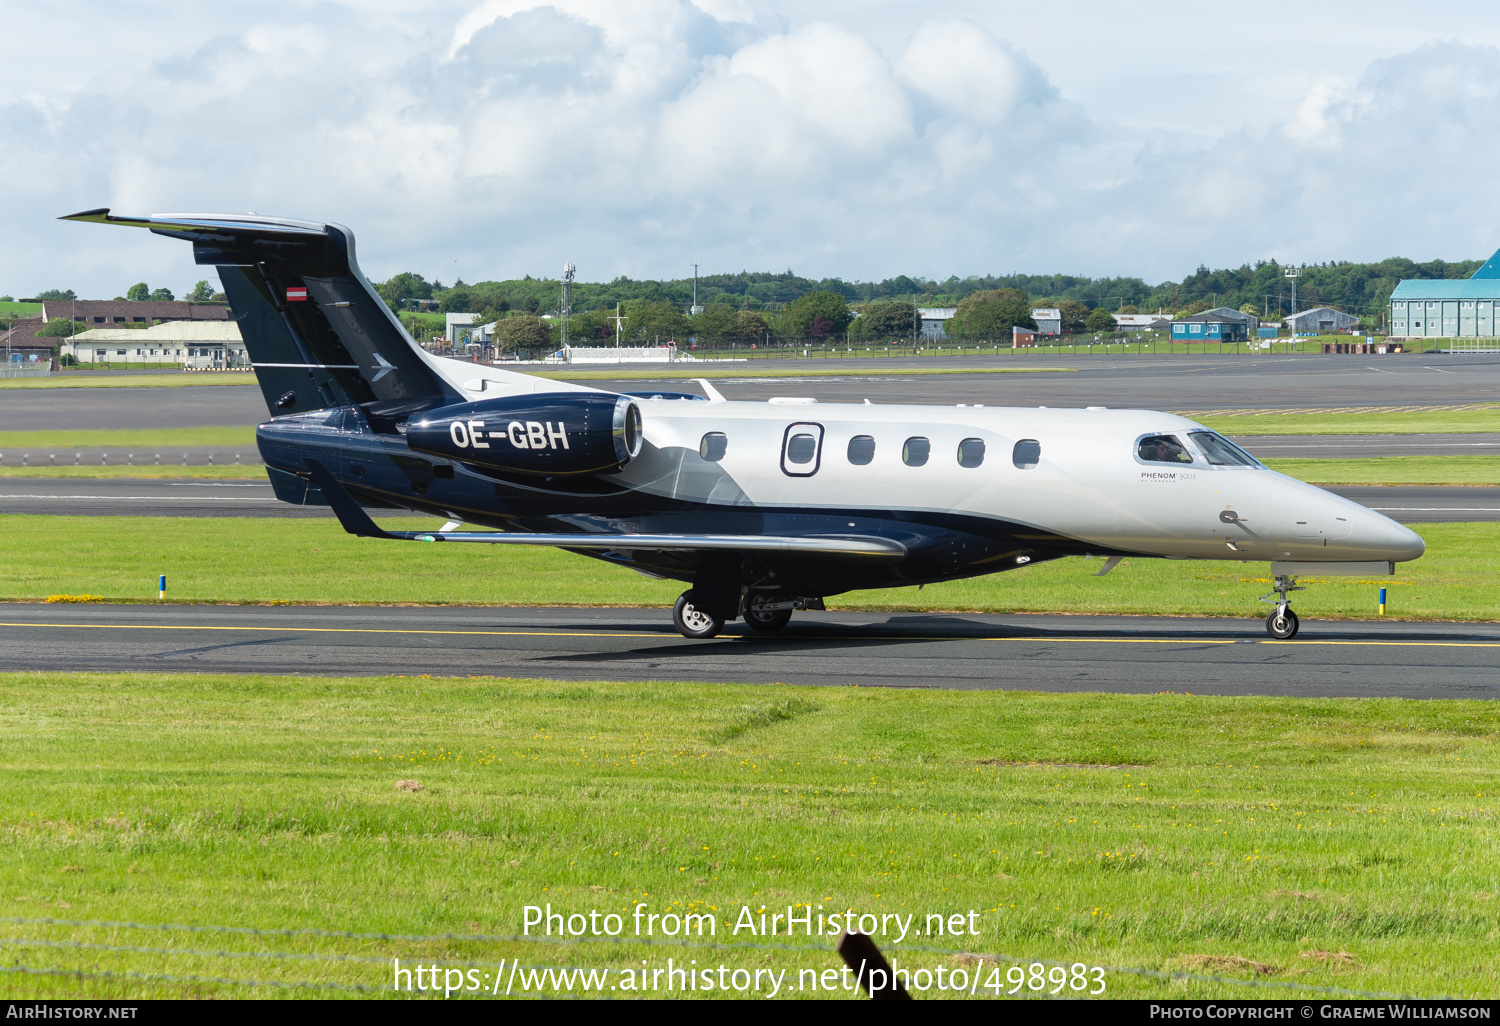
(496, 138)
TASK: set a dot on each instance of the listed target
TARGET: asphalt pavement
(1177, 381)
(1042, 653)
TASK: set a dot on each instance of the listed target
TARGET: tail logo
(385, 368)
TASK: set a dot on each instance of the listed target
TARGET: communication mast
(1293, 273)
(696, 309)
(567, 301)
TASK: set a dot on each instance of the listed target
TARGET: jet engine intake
(559, 433)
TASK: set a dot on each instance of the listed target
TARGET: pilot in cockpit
(1163, 449)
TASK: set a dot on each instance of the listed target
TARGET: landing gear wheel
(1282, 624)
(692, 622)
(758, 618)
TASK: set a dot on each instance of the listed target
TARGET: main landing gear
(763, 614)
(1282, 624)
(692, 622)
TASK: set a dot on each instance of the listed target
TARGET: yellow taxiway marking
(1184, 640)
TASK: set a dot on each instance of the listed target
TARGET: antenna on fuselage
(711, 392)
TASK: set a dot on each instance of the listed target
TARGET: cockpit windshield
(1220, 451)
(1162, 449)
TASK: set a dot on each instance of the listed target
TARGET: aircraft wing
(356, 521)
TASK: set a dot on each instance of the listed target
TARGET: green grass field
(82, 379)
(273, 560)
(1293, 843)
(194, 438)
(135, 471)
(1394, 470)
(1352, 421)
(798, 369)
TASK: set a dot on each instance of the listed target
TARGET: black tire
(1282, 626)
(766, 620)
(692, 622)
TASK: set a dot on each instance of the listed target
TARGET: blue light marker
(161, 588)
(1382, 601)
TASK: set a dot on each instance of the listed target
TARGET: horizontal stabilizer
(356, 521)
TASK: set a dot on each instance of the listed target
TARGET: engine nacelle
(556, 433)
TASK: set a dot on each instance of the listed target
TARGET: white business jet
(762, 508)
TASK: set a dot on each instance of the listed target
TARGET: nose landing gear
(1282, 624)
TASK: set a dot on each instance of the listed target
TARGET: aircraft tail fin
(1490, 268)
(317, 333)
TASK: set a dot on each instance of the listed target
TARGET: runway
(905, 650)
(1159, 381)
(168, 497)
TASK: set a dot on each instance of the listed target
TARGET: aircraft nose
(1391, 540)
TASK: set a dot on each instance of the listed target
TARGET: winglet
(350, 513)
(711, 392)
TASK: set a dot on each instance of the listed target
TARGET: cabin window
(1220, 451)
(801, 449)
(1162, 449)
(713, 446)
(971, 452)
(1026, 454)
(915, 452)
(861, 450)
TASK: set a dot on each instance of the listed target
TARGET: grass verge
(273, 560)
(82, 379)
(1356, 421)
(178, 438)
(231, 471)
(1281, 841)
(756, 369)
(1394, 470)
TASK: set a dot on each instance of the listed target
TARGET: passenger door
(802, 450)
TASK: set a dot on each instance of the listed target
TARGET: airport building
(1048, 320)
(125, 311)
(1220, 324)
(935, 320)
(1446, 308)
(1320, 319)
(196, 345)
(1142, 322)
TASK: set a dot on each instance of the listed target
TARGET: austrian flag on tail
(295, 293)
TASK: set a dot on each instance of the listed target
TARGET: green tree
(1099, 320)
(56, 295)
(523, 333)
(202, 292)
(139, 292)
(1128, 309)
(750, 326)
(717, 323)
(650, 321)
(1251, 309)
(60, 327)
(817, 314)
(401, 288)
(991, 314)
(887, 318)
(455, 300)
(1074, 315)
(162, 295)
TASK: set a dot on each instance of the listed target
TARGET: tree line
(751, 305)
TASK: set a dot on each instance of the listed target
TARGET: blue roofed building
(1221, 324)
(1448, 307)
